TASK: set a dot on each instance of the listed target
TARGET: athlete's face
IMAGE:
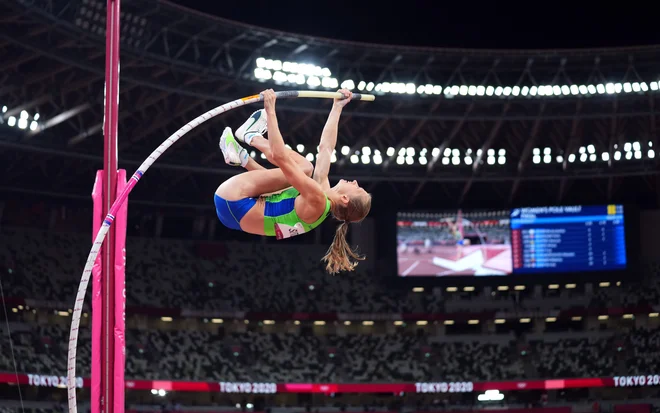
(350, 188)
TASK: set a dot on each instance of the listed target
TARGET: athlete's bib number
(283, 231)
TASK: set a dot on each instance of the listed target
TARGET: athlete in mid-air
(295, 197)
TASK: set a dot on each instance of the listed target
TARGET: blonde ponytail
(340, 256)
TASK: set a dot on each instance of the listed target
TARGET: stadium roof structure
(449, 126)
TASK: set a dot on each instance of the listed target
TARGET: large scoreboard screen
(568, 239)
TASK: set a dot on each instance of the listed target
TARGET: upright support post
(108, 291)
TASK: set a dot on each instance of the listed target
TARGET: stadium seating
(289, 357)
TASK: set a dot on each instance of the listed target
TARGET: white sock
(245, 157)
(247, 138)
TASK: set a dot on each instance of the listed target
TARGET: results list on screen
(568, 239)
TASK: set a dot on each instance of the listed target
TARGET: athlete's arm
(329, 141)
(309, 189)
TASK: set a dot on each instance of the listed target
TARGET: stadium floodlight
(11, 121)
(560, 159)
(575, 90)
(605, 156)
(354, 159)
(629, 156)
(536, 151)
(468, 160)
(651, 154)
(491, 160)
(498, 91)
(345, 150)
(536, 159)
(23, 123)
(481, 90)
(643, 86)
(507, 91)
(456, 160)
(348, 84)
(627, 146)
(654, 86)
(635, 87)
(565, 90)
(400, 160)
(279, 77)
(617, 155)
(313, 81)
(501, 160)
(410, 88)
(472, 90)
(593, 157)
(627, 87)
(591, 149)
(445, 161)
(515, 91)
(410, 160)
(533, 90)
(362, 85)
(547, 159)
(300, 147)
(422, 160)
(592, 89)
(390, 151)
(330, 82)
(524, 91)
(463, 90)
(370, 86)
(571, 158)
(636, 146)
(600, 88)
(34, 125)
(583, 157)
(365, 159)
(638, 155)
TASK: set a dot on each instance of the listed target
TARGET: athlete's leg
(256, 182)
(261, 143)
(252, 133)
(252, 184)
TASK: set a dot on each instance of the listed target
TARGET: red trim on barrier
(650, 380)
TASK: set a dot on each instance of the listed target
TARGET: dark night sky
(494, 24)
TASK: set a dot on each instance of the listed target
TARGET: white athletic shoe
(234, 153)
(256, 124)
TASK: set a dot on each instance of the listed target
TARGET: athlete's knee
(308, 168)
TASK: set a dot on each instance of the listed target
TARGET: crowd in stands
(270, 278)
(246, 277)
(297, 357)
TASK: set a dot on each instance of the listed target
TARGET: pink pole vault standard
(123, 195)
(107, 340)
